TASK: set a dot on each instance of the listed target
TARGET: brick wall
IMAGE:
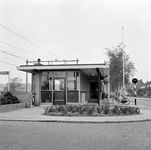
(37, 89)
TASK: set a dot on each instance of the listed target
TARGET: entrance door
(59, 86)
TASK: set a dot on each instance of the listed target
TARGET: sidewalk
(36, 114)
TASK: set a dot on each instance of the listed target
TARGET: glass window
(59, 84)
(72, 96)
(46, 96)
(72, 80)
(46, 81)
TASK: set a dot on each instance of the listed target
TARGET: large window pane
(46, 96)
(72, 80)
(46, 81)
(59, 84)
(72, 97)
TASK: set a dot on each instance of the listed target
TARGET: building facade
(68, 83)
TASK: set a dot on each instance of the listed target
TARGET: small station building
(67, 82)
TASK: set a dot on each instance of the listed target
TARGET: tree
(115, 56)
(14, 85)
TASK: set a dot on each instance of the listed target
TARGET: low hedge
(90, 110)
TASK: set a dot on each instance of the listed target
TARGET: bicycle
(116, 100)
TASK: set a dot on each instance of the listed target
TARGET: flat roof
(29, 68)
(88, 69)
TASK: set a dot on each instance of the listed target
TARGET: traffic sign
(134, 80)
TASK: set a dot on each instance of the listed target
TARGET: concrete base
(24, 97)
(11, 107)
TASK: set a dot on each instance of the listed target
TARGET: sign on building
(5, 73)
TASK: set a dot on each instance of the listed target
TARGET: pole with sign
(135, 80)
(6, 73)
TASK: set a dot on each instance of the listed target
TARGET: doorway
(59, 91)
(94, 90)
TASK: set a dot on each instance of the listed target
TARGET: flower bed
(90, 110)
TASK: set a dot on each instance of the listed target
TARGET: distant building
(139, 85)
(146, 88)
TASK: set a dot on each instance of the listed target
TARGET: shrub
(8, 98)
(105, 109)
(112, 95)
(98, 109)
(90, 110)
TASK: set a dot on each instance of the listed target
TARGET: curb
(80, 122)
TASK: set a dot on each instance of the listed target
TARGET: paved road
(72, 136)
(142, 101)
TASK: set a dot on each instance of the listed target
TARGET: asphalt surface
(16, 135)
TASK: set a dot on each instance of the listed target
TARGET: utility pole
(123, 56)
(123, 88)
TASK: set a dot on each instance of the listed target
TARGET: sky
(71, 29)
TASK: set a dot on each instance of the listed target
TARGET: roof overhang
(88, 69)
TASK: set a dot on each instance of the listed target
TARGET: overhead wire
(12, 55)
(29, 41)
(22, 49)
(7, 63)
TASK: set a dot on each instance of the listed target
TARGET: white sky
(72, 29)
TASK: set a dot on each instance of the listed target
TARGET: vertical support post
(123, 56)
(99, 85)
(108, 84)
(135, 101)
(39, 72)
(103, 88)
(26, 81)
(135, 94)
(79, 87)
(32, 82)
(135, 80)
(26, 77)
(8, 81)
(0, 98)
(99, 89)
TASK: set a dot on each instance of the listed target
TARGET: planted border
(90, 110)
